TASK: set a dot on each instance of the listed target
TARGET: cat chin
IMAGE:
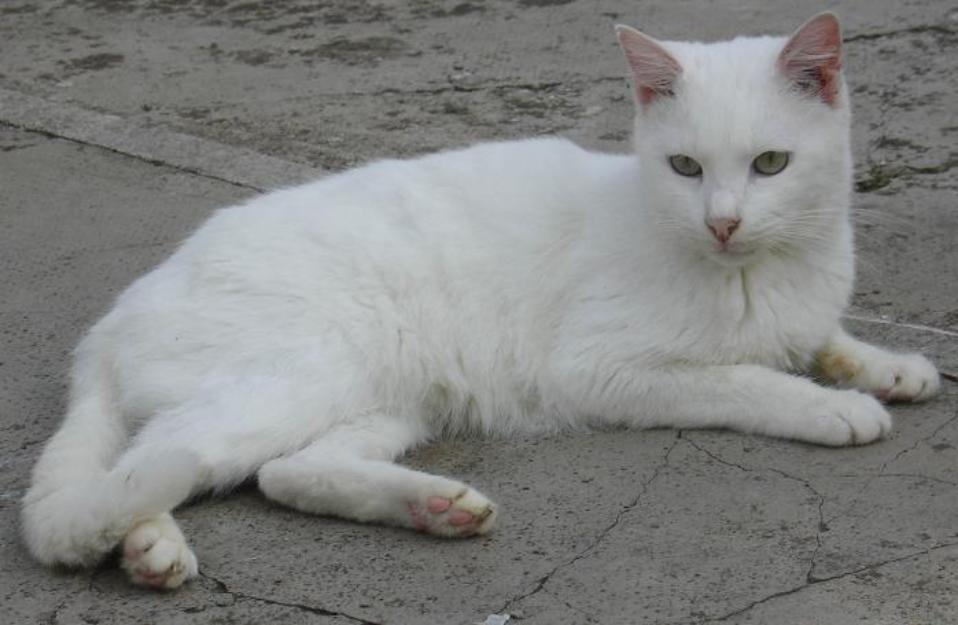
(733, 256)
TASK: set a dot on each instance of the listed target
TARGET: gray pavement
(123, 124)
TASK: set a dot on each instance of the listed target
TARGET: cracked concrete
(540, 584)
(227, 598)
(124, 124)
(749, 609)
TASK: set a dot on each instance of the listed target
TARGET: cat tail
(78, 509)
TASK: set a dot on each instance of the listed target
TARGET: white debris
(497, 619)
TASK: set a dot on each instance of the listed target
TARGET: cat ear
(653, 69)
(812, 58)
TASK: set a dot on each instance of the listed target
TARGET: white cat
(312, 335)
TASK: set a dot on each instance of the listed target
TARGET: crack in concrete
(914, 476)
(921, 476)
(73, 595)
(823, 580)
(937, 29)
(810, 578)
(881, 469)
(588, 617)
(913, 447)
(55, 615)
(717, 458)
(240, 596)
(821, 527)
(542, 581)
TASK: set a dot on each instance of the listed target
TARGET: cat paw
(463, 513)
(155, 554)
(901, 378)
(888, 376)
(850, 418)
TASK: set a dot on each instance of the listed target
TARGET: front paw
(887, 375)
(900, 377)
(849, 418)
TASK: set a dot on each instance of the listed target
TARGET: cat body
(312, 335)
(465, 301)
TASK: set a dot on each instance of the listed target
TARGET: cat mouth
(733, 252)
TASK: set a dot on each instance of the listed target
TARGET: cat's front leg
(890, 376)
(748, 398)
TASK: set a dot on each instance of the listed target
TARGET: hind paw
(464, 512)
(155, 554)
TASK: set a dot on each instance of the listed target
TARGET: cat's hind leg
(348, 472)
(155, 553)
(888, 375)
(212, 442)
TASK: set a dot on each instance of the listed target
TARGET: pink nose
(723, 228)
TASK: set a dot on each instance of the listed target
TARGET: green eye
(685, 165)
(770, 163)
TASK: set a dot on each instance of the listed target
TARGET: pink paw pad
(156, 580)
(465, 514)
(419, 518)
(460, 518)
(438, 504)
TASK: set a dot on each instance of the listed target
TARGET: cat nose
(723, 228)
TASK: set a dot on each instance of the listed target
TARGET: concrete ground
(124, 123)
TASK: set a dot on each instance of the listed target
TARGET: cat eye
(770, 163)
(685, 165)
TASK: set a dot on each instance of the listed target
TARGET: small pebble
(224, 599)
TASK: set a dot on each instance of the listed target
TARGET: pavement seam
(151, 144)
(138, 157)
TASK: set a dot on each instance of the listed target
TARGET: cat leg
(748, 398)
(888, 375)
(348, 473)
(155, 553)
(214, 442)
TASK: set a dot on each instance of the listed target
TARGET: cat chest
(783, 333)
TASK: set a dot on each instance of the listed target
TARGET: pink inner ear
(812, 58)
(653, 69)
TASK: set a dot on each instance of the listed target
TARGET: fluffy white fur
(312, 335)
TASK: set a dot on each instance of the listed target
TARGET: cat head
(744, 144)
